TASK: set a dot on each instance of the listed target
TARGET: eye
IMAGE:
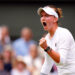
(41, 16)
(47, 15)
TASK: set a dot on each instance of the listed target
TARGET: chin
(45, 29)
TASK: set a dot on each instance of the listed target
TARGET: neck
(27, 40)
(52, 31)
(7, 60)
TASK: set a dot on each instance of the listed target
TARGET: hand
(43, 43)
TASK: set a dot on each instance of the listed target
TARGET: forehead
(43, 12)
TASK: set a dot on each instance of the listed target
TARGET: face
(7, 54)
(5, 31)
(26, 34)
(47, 21)
(20, 66)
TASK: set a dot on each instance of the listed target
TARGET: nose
(43, 18)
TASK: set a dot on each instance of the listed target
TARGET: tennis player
(59, 44)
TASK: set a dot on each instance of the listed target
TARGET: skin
(33, 54)
(7, 56)
(20, 66)
(26, 34)
(4, 33)
(51, 27)
(1, 65)
(33, 51)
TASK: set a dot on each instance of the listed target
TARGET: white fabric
(16, 72)
(48, 10)
(33, 62)
(63, 43)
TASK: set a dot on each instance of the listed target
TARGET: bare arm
(54, 55)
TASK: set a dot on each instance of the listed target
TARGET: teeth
(44, 23)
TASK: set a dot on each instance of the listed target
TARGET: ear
(55, 19)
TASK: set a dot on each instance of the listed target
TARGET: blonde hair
(58, 10)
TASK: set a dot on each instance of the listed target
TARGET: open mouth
(44, 23)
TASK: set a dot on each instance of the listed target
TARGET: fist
(43, 43)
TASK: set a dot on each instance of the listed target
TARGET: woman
(8, 57)
(59, 45)
(19, 67)
(2, 70)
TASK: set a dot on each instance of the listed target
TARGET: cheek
(20, 66)
(7, 54)
(49, 19)
(41, 19)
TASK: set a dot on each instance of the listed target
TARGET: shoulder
(13, 72)
(33, 42)
(65, 34)
(17, 41)
(63, 30)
